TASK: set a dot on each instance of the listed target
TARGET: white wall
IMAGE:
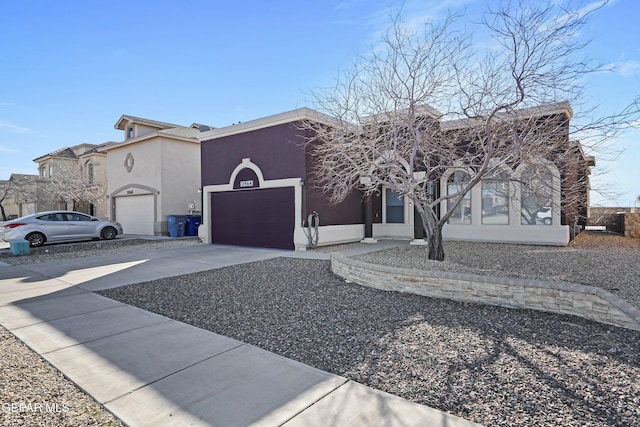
(180, 180)
(146, 165)
(165, 167)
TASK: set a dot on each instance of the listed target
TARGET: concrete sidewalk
(150, 370)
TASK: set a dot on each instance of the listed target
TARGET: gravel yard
(55, 252)
(492, 365)
(33, 393)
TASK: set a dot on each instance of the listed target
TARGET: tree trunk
(436, 248)
(433, 230)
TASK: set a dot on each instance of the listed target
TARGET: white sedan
(57, 226)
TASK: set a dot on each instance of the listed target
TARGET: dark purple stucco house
(258, 190)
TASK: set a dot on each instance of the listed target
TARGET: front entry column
(418, 229)
(368, 221)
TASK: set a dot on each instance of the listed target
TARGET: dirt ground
(604, 241)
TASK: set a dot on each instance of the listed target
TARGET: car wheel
(547, 221)
(36, 239)
(108, 233)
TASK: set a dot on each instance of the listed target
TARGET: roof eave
(146, 137)
(298, 115)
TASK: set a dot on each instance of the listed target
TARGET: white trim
(274, 120)
(515, 231)
(335, 234)
(418, 242)
(476, 202)
(247, 164)
(299, 237)
(402, 230)
(556, 235)
(555, 196)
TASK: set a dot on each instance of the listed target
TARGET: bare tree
(5, 195)
(495, 110)
(19, 189)
(72, 184)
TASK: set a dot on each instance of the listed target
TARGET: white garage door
(136, 214)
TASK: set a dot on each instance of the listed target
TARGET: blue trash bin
(193, 222)
(182, 222)
(172, 223)
(176, 225)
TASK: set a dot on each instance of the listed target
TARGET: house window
(537, 195)
(90, 173)
(50, 171)
(394, 207)
(43, 172)
(130, 132)
(457, 182)
(495, 199)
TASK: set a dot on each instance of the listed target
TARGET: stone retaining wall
(555, 297)
(632, 225)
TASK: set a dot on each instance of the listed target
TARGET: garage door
(136, 214)
(262, 218)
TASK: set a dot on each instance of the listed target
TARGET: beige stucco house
(73, 178)
(18, 196)
(154, 172)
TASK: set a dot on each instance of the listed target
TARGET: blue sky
(70, 69)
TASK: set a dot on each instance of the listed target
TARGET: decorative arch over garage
(252, 211)
(135, 206)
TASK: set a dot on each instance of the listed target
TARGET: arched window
(90, 172)
(495, 198)
(456, 182)
(537, 195)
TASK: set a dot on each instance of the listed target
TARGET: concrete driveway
(151, 370)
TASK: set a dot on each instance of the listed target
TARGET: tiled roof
(63, 153)
(97, 149)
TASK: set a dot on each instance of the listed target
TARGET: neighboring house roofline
(68, 152)
(162, 133)
(201, 126)
(62, 153)
(99, 149)
(125, 120)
